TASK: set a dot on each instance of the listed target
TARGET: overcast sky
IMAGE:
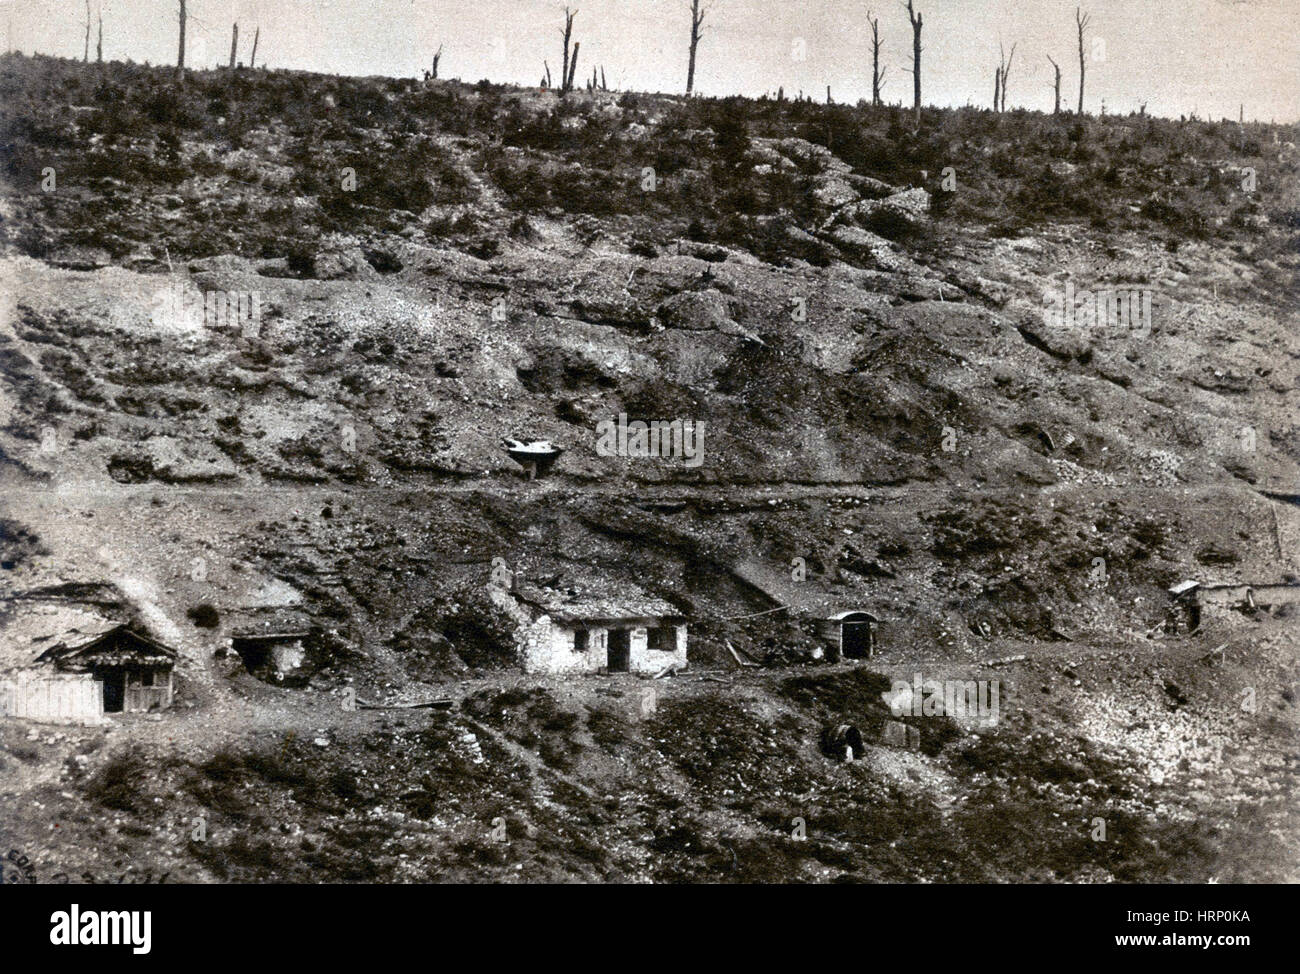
(1177, 56)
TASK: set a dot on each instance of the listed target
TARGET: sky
(1179, 57)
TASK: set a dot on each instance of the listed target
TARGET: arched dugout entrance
(851, 635)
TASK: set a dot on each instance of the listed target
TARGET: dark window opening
(662, 639)
(581, 640)
(146, 678)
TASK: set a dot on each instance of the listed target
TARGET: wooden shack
(134, 671)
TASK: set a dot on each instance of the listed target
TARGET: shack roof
(268, 624)
(258, 636)
(846, 616)
(607, 603)
(1183, 587)
(119, 646)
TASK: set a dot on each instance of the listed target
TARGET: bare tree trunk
(99, 42)
(997, 89)
(565, 73)
(252, 58)
(548, 72)
(603, 86)
(877, 75)
(234, 45)
(180, 56)
(1056, 108)
(436, 58)
(1006, 73)
(85, 57)
(697, 29)
(1082, 20)
(915, 59)
(573, 66)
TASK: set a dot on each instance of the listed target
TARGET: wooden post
(234, 44)
(257, 32)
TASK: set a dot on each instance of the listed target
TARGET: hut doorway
(114, 690)
(856, 638)
(850, 635)
(620, 650)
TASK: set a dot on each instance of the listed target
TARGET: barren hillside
(853, 311)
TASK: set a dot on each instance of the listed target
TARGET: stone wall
(1234, 595)
(548, 647)
(646, 660)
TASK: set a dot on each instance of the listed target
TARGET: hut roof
(268, 636)
(119, 646)
(844, 616)
(597, 603)
(269, 625)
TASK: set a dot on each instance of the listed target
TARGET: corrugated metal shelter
(849, 635)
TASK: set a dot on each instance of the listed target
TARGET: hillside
(438, 266)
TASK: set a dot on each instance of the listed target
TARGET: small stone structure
(613, 631)
(895, 733)
(1191, 599)
(273, 656)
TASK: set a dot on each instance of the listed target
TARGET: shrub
(204, 616)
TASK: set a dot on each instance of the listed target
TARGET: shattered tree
(1082, 20)
(566, 75)
(917, 23)
(877, 73)
(698, 12)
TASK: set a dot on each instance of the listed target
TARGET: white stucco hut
(615, 630)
